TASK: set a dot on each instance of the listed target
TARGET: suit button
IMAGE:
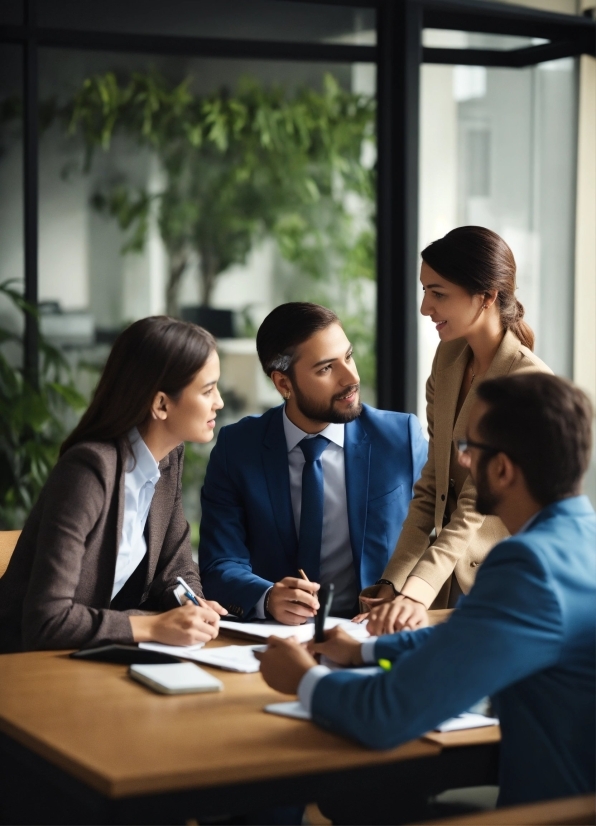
(442, 497)
(474, 564)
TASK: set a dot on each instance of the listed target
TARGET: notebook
(175, 678)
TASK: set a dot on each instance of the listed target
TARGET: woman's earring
(287, 397)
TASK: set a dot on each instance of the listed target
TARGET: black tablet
(124, 655)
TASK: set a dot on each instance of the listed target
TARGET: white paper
(185, 651)
(292, 709)
(303, 633)
(467, 720)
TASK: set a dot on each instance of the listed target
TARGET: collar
(146, 468)
(530, 522)
(334, 432)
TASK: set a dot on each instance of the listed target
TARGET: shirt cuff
(260, 606)
(367, 651)
(180, 594)
(308, 684)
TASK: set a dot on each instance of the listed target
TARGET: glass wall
(11, 182)
(498, 149)
(209, 189)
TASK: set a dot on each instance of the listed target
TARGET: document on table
(263, 629)
(229, 657)
(467, 720)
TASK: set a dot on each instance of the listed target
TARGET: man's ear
(282, 383)
(159, 407)
(503, 471)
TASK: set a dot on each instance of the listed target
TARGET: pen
(385, 664)
(325, 600)
(303, 575)
(189, 593)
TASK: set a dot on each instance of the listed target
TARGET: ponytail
(521, 328)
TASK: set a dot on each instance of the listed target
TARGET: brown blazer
(462, 544)
(56, 591)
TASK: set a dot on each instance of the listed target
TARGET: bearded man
(320, 484)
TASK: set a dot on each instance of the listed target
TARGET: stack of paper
(261, 629)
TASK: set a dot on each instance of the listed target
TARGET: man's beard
(487, 502)
(326, 413)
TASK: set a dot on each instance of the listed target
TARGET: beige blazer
(57, 589)
(462, 544)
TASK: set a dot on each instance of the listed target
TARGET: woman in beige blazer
(468, 278)
(99, 556)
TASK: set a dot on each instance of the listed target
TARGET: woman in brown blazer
(468, 279)
(99, 556)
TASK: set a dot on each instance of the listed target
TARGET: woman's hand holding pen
(187, 625)
(293, 601)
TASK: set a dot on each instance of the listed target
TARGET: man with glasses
(525, 634)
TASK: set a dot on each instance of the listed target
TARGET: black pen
(325, 596)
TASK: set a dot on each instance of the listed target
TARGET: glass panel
(498, 149)
(223, 198)
(11, 12)
(11, 280)
(280, 20)
(452, 39)
(11, 188)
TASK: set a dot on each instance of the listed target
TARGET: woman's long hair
(478, 260)
(152, 355)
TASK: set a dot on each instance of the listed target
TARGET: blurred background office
(212, 160)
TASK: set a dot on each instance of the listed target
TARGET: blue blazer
(524, 635)
(248, 537)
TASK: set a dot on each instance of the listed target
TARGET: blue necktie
(311, 512)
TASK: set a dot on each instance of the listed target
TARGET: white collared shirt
(337, 563)
(139, 487)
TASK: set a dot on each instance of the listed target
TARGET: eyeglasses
(464, 445)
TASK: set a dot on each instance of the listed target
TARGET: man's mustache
(354, 388)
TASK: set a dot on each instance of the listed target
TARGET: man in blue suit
(321, 483)
(525, 635)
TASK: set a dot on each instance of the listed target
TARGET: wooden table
(85, 743)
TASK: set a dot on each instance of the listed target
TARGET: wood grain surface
(119, 737)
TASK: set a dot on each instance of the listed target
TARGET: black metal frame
(398, 56)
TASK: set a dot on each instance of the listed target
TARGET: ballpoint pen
(189, 593)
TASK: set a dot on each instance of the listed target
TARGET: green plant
(33, 419)
(237, 166)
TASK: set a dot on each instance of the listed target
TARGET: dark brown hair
(479, 261)
(152, 355)
(285, 328)
(544, 424)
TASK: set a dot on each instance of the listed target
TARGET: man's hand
(339, 646)
(293, 601)
(284, 664)
(401, 614)
(187, 625)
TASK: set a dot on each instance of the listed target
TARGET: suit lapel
(357, 462)
(154, 533)
(277, 475)
(447, 389)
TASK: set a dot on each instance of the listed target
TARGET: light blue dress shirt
(140, 478)
(337, 564)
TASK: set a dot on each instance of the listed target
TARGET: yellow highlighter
(385, 664)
